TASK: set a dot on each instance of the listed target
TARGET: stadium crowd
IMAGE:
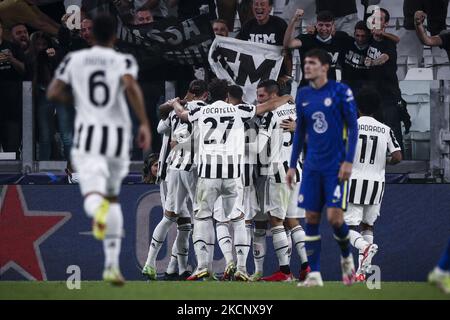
(36, 35)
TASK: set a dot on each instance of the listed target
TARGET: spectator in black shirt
(11, 72)
(382, 61)
(268, 29)
(73, 40)
(344, 11)
(354, 69)
(323, 39)
(46, 56)
(20, 36)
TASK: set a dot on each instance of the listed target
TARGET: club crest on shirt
(328, 102)
(300, 198)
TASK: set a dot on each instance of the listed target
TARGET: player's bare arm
(179, 109)
(288, 125)
(272, 104)
(136, 98)
(433, 41)
(396, 157)
(58, 91)
(289, 41)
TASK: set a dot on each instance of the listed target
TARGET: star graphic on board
(21, 233)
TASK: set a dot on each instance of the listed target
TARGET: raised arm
(289, 40)
(433, 41)
(272, 104)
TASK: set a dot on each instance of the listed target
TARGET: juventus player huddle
(231, 162)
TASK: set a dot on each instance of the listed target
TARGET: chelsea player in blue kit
(327, 122)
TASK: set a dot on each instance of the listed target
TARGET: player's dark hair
(235, 92)
(362, 25)
(104, 28)
(218, 90)
(325, 16)
(368, 101)
(271, 86)
(322, 55)
(387, 14)
(198, 87)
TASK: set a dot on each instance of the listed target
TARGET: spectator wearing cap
(268, 29)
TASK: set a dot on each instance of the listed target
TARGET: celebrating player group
(227, 165)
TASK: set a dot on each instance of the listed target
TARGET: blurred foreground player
(326, 117)
(440, 275)
(99, 76)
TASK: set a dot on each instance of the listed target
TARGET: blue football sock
(341, 234)
(444, 262)
(313, 245)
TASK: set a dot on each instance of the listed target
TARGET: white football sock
(357, 240)
(289, 240)
(225, 241)
(280, 244)
(298, 237)
(113, 239)
(182, 242)
(368, 235)
(173, 263)
(158, 237)
(259, 249)
(240, 244)
(91, 203)
(203, 237)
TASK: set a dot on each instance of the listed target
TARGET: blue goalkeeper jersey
(327, 122)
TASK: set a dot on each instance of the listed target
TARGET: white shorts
(209, 190)
(357, 213)
(250, 202)
(180, 190)
(185, 209)
(279, 201)
(218, 213)
(100, 174)
(293, 210)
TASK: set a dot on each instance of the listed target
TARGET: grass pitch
(216, 291)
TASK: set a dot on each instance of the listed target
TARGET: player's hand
(288, 125)
(368, 62)
(298, 15)
(290, 176)
(419, 17)
(345, 171)
(144, 137)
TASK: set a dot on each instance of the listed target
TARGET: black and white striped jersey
(185, 134)
(102, 122)
(164, 130)
(222, 138)
(276, 153)
(376, 140)
(250, 153)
